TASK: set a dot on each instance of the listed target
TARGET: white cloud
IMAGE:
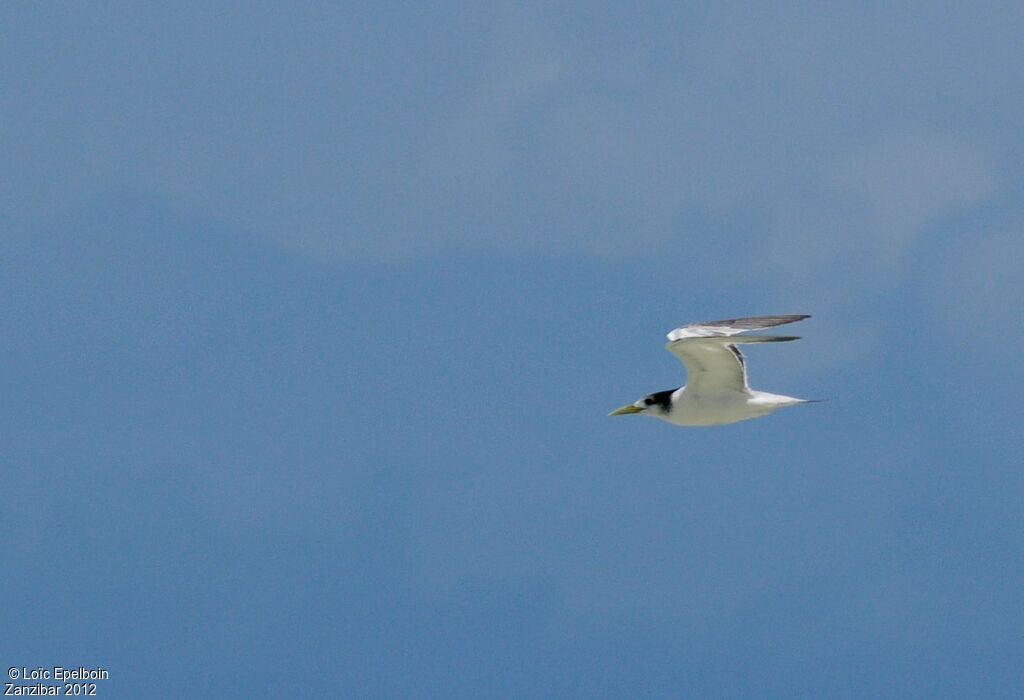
(528, 133)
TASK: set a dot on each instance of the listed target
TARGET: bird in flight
(716, 390)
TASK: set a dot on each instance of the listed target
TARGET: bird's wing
(732, 326)
(714, 365)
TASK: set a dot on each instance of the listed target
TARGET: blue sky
(313, 316)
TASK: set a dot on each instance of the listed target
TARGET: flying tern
(716, 390)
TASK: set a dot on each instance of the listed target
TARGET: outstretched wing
(732, 326)
(714, 365)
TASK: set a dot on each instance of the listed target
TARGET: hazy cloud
(898, 185)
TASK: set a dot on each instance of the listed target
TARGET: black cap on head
(661, 399)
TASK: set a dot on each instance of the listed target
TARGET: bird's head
(658, 403)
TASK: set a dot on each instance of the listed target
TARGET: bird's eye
(648, 402)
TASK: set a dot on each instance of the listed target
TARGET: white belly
(725, 408)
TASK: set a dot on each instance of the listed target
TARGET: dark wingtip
(756, 322)
(789, 318)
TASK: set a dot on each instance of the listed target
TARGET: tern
(716, 390)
